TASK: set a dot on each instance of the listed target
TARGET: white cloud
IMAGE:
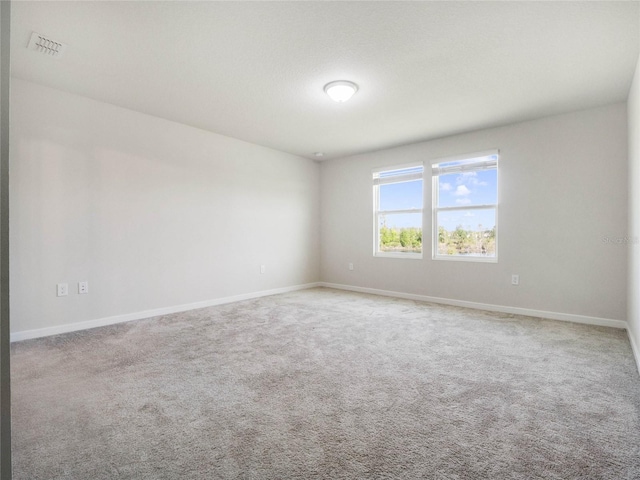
(469, 178)
(468, 214)
(461, 191)
(463, 201)
(445, 187)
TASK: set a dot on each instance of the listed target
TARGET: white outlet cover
(83, 287)
(63, 289)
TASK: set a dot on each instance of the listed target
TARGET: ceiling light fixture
(318, 154)
(341, 90)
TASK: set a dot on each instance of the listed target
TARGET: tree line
(393, 239)
(460, 241)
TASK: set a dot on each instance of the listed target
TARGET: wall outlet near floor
(515, 279)
(263, 268)
(351, 266)
(83, 287)
(63, 289)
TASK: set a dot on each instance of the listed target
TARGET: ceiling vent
(45, 45)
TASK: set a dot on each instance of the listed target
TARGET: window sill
(413, 256)
(465, 258)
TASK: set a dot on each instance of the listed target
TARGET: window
(398, 200)
(465, 207)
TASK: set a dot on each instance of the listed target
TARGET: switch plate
(63, 289)
(515, 279)
(263, 268)
(351, 266)
(83, 287)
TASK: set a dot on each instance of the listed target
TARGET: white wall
(156, 214)
(633, 108)
(150, 212)
(562, 190)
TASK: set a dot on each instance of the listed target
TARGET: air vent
(45, 45)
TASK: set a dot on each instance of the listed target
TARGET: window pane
(467, 233)
(401, 196)
(468, 188)
(400, 232)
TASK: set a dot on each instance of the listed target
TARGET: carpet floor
(325, 384)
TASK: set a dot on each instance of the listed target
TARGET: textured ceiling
(255, 70)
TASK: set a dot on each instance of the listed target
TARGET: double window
(465, 207)
(398, 201)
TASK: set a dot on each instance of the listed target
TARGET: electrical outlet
(83, 287)
(351, 266)
(63, 289)
(263, 268)
(515, 279)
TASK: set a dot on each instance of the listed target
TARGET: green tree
(386, 236)
(443, 235)
(395, 237)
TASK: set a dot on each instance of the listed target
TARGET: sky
(468, 188)
(456, 189)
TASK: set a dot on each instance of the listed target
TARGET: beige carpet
(323, 384)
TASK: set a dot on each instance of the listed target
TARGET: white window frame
(377, 181)
(470, 167)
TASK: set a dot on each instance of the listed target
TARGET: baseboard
(565, 317)
(101, 322)
(634, 348)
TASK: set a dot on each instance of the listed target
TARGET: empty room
(319, 240)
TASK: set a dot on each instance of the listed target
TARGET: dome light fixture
(341, 90)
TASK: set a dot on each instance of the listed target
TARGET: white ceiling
(255, 70)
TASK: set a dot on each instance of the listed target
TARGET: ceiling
(256, 70)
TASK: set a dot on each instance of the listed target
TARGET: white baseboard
(101, 322)
(634, 348)
(566, 317)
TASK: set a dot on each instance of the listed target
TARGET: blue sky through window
(456, 190)
(468, 188)
(401, 196)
